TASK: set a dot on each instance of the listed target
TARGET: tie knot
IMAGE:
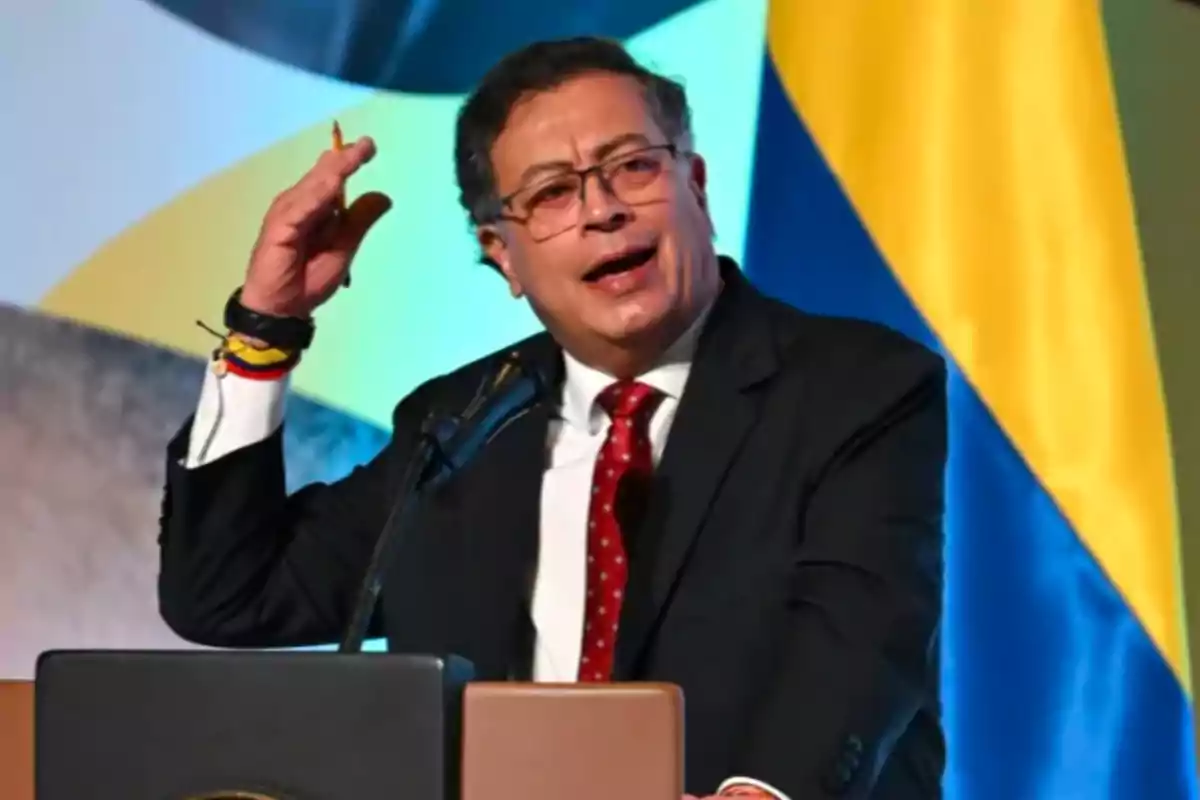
(627, 399)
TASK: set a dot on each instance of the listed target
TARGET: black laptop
(203, 725)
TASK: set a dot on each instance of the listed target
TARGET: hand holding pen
(309, 235)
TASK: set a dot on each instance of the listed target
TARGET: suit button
(837, 782)
(838, 779)
(845, 767)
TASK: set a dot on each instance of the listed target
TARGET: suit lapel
(715, 414)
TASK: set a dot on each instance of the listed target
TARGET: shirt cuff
(739, 780)
(234, 412)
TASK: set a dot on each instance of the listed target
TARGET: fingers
(297, 209)
(344, 163)
(360, 216)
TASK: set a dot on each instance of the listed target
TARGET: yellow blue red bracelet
(239, 357)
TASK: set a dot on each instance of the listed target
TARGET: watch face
(403, 45)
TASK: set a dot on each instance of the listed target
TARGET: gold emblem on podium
(233, 794)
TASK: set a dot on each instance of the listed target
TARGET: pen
(339, 144)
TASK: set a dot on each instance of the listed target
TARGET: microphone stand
(445, 446)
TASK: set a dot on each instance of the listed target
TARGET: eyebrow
(599, 153)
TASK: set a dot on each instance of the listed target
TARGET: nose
(602, 209)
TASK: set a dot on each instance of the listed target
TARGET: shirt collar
(583, 384)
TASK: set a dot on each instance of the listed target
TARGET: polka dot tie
(626, 450)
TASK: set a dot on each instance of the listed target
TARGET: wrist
(263, 303)
(743, 786)
(285, 332)
(742, 790)
(250, 341)
(238, 355)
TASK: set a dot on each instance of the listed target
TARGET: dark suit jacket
(786, 574)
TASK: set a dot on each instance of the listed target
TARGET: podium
(141, 724)
(16, 740)
(577, 741)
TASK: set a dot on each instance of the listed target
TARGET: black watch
(286, 333)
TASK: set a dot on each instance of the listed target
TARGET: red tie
(626, 450)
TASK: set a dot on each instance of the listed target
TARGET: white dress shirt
(575, 441)
(235, 412)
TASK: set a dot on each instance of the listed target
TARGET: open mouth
(623, 263)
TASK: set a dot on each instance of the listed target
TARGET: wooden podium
(16, 740)
(581, 741)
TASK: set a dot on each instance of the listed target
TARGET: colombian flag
(955, 170)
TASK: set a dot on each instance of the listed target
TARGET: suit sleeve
(859, 658)
(243, 564)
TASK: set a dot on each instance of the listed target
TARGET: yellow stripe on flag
(979, 144)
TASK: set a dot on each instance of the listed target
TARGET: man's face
(626, 263)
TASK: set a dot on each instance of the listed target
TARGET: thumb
(361, 215)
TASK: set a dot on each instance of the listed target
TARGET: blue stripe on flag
(1052, 688)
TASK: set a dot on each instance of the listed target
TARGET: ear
(698, 179)
(491, 241)
(698, 183)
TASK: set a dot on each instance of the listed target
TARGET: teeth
(618, 265)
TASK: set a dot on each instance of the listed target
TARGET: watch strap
(285, 333)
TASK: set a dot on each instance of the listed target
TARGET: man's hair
(536, 68)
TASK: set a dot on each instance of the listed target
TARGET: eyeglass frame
(672, 149)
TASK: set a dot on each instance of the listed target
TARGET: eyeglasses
(550, 207)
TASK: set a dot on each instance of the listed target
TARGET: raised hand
(305, 245)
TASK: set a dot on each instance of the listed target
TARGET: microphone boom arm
(445, 446)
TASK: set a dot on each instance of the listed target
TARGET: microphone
(446, 445)
(502, 397)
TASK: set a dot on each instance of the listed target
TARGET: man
(777, 555)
